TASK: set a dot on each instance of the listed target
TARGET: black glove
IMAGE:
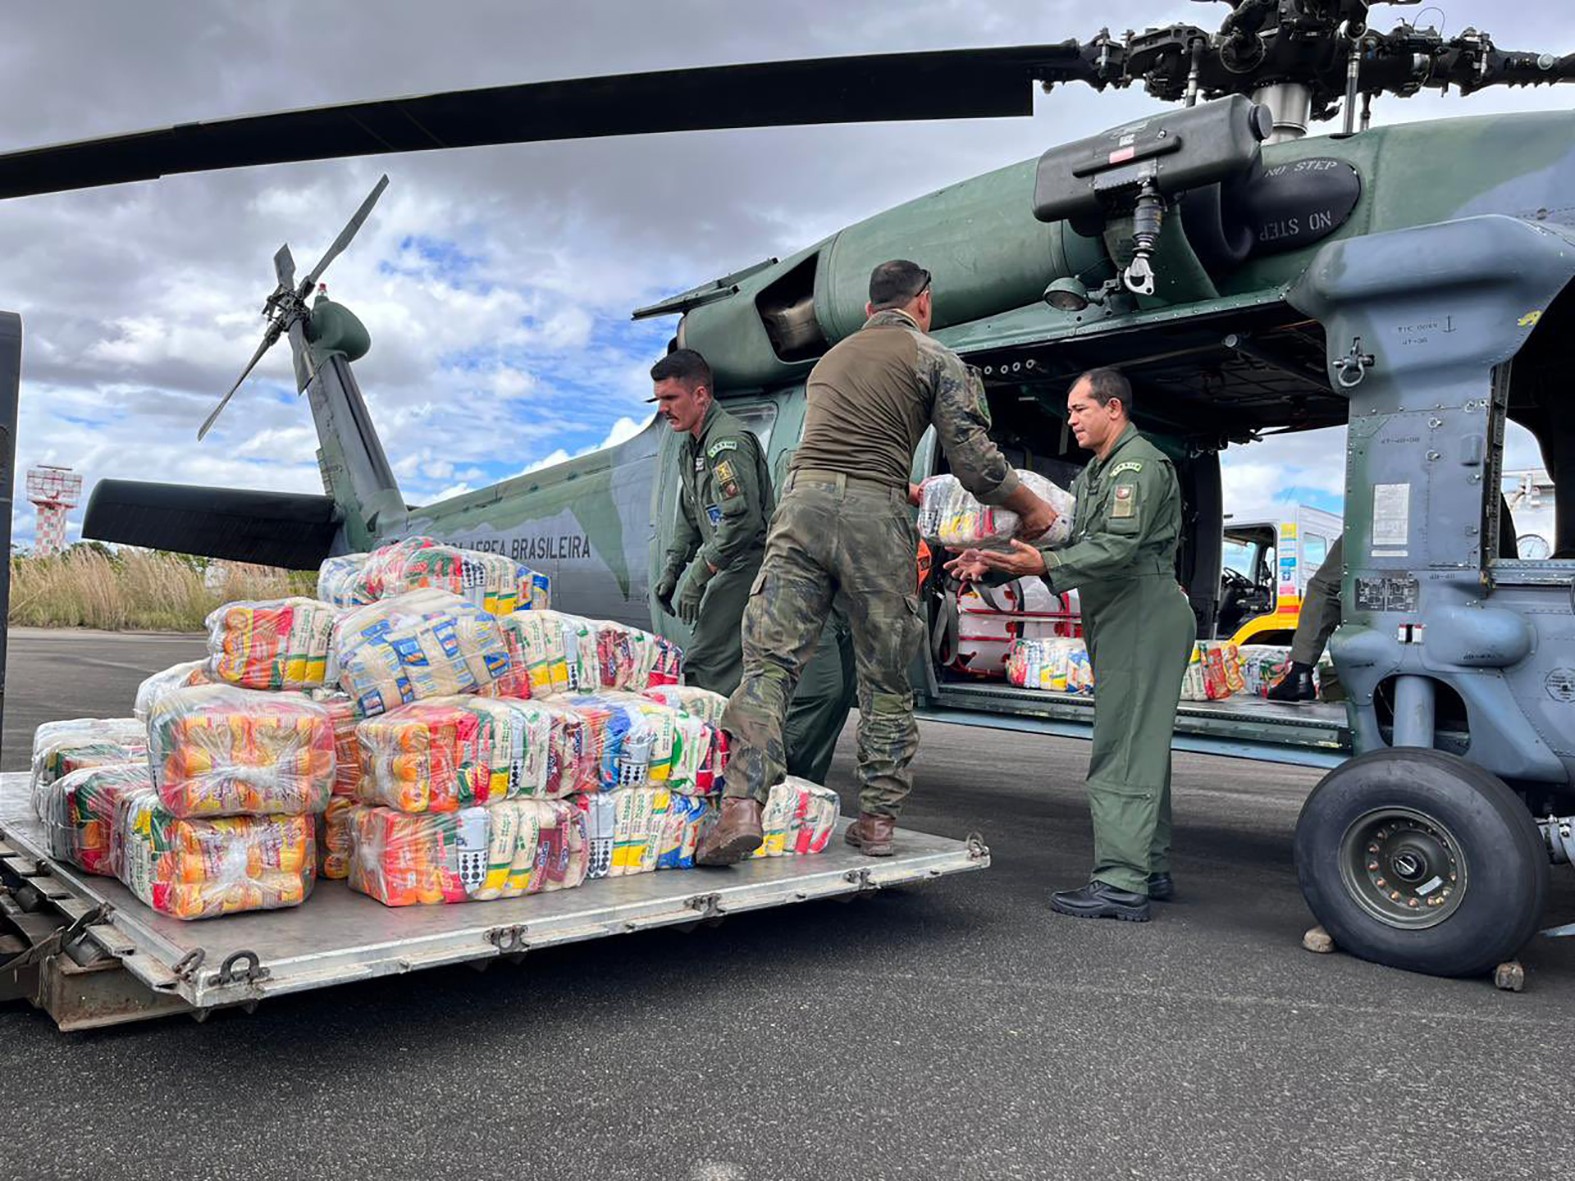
(665, 589)
(692, 591)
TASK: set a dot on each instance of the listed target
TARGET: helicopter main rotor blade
(269, 339)
(942, 84)
(284, 268)
(345, 235)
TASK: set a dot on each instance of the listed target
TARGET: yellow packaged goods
(701, 703)
(490, 581)
(950, 517)
(510, 848)
(200, 869)
(216, 750)
(177, 676)
(451, 752)
(1213, 672)
(538, 657)
(281, 644)
(60, 748)
(1056, 665)
(799, 818)
(416, 646)
(79, 812)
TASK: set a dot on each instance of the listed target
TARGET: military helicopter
(1411, 281)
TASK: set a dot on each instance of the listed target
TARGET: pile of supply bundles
(488, 581)
(552, 652)
(950, 517)
(798, 818)
(200, 868)
(340, 581)
(449, 753)
(216, 750)
(1058, 665)
(1263, 666)
(504, 850)
(282, 644)
(78, 811)
(59, 748)
(1213, 673)
(416, 646)
(177, 676)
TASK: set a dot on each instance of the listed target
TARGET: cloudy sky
(496, 282)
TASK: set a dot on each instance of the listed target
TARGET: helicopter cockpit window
(759, 420)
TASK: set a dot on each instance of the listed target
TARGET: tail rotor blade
(345, 235)
(268, 340)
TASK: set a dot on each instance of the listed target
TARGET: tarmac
(956, 1029)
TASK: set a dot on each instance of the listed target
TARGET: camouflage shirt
(872, 396)
(726, 496)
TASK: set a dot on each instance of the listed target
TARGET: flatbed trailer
(88, 952)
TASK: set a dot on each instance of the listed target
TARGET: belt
(842, 480)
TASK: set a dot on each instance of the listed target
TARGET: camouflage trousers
(844, 543)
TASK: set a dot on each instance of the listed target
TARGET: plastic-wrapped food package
(282, 644)
(535, 590)
(1213, 672)
(639, 817)
(424, 644)
(79, 812)
(511, 848)
(343, 716)
(798, 818)
(681, 743)
(538, 657)
(60, 748)
(601, 829)
(1057, 665)
(1264, 666)
(580, 653)
(633, 660)
(453, 752)
(638, 829)
(486, 580)
(383, 564)
(217, 750)
(949, 515)
(693, 700)
(340, 582)
(199, 869)
(686, 818)
(177, 676)
(619, 737)
(333, 839)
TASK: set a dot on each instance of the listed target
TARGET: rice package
(281, 644)
(1055, 664)
(798, 818)
(333, 839)
(453, 752)
(682, 745)
(79, 812)
(619, 737)
(535, 590)
(538, 658)
(59, 748)
(950, 517)
(216, 750)
(693, 700)
(420, 645)
(630, 659)
(340, 581)
(1213, 672)
(490, 581)
(510, 848)
(199, 869)
(1263, 666)
(177, 676)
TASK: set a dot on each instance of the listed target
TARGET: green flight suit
(1140, 631)
(724, 505)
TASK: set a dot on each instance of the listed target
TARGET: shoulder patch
(1129, 465)
(724, 472)
(720, 446)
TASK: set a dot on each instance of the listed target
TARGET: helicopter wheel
(1420, 860)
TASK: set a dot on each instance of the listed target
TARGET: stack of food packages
(1264, 666)
(950, 516)
(1055, 664)
(799, 817)
(1213, 673)
(79, 769)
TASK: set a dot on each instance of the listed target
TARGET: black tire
(1422, 816)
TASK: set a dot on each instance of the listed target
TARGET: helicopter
(1251, 279)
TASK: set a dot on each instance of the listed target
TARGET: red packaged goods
(280, 644)
(79, 812)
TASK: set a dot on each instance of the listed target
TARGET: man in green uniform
(1139, 629)
(843, 536)
(725, 501)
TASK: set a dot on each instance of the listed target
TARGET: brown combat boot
(736, 835)
(872, 835)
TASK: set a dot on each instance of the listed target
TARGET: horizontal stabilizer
(289, 529)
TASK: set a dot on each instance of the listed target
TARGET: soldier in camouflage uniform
(725, 500)
(1140, 631)
(843, 537)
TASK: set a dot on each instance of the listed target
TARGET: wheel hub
(1403, 867)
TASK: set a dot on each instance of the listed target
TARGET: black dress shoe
(1295, 687)
(1160, 887)
(1099, 901)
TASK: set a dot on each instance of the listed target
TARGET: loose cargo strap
(944, 636)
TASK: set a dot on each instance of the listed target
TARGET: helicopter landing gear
(1420, 860)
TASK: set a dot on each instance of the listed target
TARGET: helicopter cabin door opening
(1198, 387)
(1269, 557)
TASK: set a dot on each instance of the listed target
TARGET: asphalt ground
(956, 1029)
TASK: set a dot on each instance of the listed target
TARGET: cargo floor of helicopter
(1316, 734)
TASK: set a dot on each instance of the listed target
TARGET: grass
(135, 590)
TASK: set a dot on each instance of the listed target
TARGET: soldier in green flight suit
(725, 502)
(1140, 631)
